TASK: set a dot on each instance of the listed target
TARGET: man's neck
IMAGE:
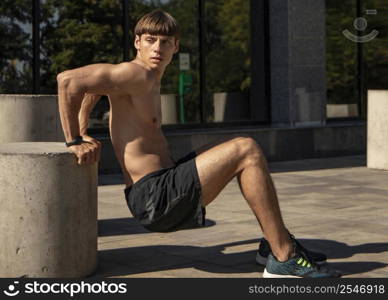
(158, 71)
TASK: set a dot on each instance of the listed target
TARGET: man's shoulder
(136, 73)
(132, 66)
(134, 78)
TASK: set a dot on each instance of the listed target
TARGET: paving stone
(199, 269)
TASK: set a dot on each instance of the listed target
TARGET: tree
(341, 55)
(229, 45)
(376, 51)
(76, 33)
(16, 49)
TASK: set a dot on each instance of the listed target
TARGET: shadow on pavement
(156, 258)
(122, 226)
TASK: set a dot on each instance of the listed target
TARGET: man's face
(156, 50)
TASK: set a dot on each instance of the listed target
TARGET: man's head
(157, 38)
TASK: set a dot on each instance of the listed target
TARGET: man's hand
(88, 152)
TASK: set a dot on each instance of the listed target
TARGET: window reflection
(376, 51)
(16, 48)
(180, 88)
(228, 60)
(341, 60)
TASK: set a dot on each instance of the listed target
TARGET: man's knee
(248, 147)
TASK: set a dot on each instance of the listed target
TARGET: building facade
(293, 74)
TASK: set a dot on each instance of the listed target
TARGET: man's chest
(148, 103)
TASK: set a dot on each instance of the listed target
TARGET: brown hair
(157, 22)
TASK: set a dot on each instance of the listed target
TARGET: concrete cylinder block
(48, 212)
(30, 118)
(377, 145)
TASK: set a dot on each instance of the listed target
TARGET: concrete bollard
(377, 149)
(29, 118)
(48, 212)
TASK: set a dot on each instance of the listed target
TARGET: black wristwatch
(77, 141)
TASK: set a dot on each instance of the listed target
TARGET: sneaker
(265, 249)
(297, 266)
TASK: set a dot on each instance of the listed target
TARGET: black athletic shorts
(168, 199)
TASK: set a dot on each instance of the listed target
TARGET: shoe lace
(304, 260)
(298, 247)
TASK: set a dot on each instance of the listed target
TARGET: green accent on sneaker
(297, 266)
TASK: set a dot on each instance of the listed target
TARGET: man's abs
(138, 141)
(144, 156)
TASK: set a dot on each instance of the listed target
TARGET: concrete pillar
(297, 59)
(377, 145)
(48, 212)
(29, 118)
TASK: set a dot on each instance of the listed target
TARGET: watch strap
(77, 141)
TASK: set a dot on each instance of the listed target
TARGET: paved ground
(334, 205)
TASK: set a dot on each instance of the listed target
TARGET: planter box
(341, 110)
(169, 109)
(230, 107)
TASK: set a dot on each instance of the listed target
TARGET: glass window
(341, 59)
(16, 46)
(376, 50)
(180, 92)
(75, 33)
(228, 60)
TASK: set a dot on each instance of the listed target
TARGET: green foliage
(16, 48)
(376, 51)
(341, 55)
(228, 57)
(76, 33)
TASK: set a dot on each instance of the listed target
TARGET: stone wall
(298, 70)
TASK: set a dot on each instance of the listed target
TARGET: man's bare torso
(135, 128)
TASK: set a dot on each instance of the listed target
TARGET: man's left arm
(88, 103)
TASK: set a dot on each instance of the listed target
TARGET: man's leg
(242, 157)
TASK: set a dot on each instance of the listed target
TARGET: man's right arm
(95, 79)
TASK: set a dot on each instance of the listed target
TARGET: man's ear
(137, 41)
(176, 46)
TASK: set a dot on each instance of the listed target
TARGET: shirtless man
(164, 195)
